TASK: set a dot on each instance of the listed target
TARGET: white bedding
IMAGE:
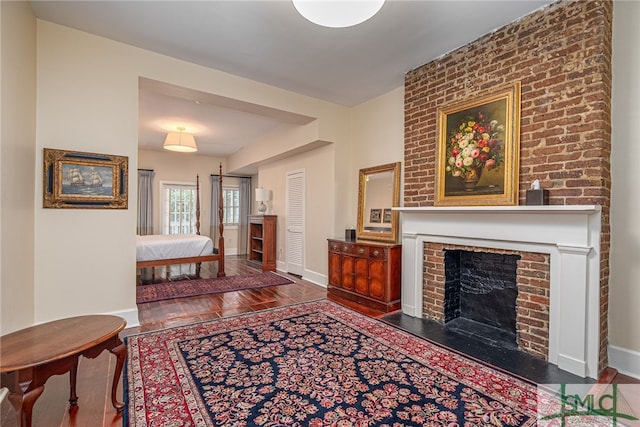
(167, 246)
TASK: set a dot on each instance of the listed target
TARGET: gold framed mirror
(378, 192)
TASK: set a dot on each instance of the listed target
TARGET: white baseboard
(314, 277)
(626, 361)
(308, 275)
(131, 316)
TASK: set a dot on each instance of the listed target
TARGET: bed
(160, 250)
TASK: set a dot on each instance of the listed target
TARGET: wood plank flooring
(94, 375)
(163, 314)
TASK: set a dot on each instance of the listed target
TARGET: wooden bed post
(221, 272)
(197, 204)
(198, 264)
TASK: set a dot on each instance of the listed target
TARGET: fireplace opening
(480, 296)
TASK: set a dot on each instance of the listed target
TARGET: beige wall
(318, 165)
(376, 130)
(624, 300)
(377, 138)
(88, 100)
(17, 164)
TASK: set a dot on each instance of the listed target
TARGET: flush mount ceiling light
(179, 141)
(337, 13)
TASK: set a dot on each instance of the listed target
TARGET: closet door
(295, 222)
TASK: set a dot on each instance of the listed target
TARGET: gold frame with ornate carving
(73, 179)
(384, 232)
(497, 185)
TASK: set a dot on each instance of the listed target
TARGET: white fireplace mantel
(570, 234)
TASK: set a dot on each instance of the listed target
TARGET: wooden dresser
(366, 272)
(262, 241)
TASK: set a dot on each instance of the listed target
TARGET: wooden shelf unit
(262, 241)
(365, 272)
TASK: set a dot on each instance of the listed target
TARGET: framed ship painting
(73, 179)
(477, 160)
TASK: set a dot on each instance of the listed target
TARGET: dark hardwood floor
(94, 375)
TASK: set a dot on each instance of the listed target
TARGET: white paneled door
(295, 222)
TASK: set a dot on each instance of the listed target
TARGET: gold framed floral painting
(477, 160)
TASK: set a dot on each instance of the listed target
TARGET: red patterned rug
(191, 288)
(312, 364)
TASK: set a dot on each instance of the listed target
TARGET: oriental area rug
(312, 364)
(191, 288)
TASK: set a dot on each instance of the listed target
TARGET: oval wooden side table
(29, 357)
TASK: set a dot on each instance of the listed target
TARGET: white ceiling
(268, 41)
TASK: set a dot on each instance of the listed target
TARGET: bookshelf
(262, 241)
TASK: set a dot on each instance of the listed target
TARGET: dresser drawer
(342, 247)
(361, 251)
(335, 247)
(377, 253)
(347, 248)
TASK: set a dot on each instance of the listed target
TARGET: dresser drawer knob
(361, 251)
(345, 248)
(376, 253)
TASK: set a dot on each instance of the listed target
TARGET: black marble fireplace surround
(485, 342)
(480, 295)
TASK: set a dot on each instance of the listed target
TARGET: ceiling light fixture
(337, 13)
(179, 141)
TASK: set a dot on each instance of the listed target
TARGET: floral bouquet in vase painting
(476, 144)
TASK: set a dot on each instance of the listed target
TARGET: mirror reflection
(379, 191)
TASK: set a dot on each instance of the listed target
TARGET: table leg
(23, 404)
(121, 353)
(73, 374)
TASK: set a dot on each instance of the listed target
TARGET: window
(179, 208)
(231, 202)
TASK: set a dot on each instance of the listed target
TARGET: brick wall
(562, 57)
(532, 304)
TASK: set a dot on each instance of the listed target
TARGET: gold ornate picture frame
(478, 150)
(73, 179)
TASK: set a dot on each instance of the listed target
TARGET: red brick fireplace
(532, 303)
(561, 55)
(558, 303)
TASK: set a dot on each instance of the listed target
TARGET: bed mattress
(167, 246)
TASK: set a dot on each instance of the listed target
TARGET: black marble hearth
(515, 362)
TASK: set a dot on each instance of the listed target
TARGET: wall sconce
(179, 141)
(262, 195)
